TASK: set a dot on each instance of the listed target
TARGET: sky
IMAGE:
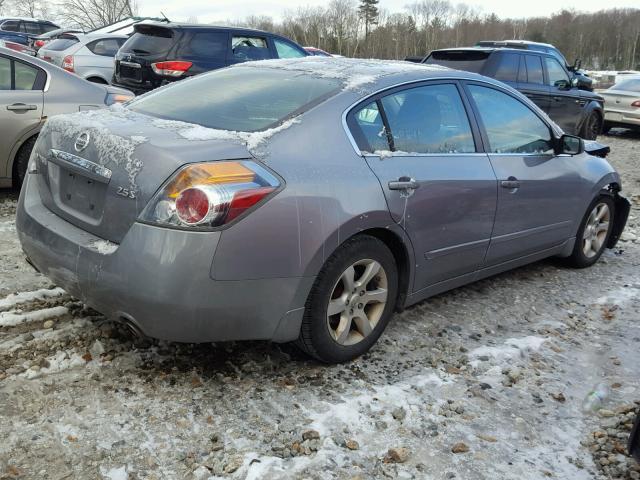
(212, 11)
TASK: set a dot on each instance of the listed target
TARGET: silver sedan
(32, 90)
(622, 104)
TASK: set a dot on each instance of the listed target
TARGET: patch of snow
(23, 297)
(8, 226)
(114, 473)
(512, 348)
(62, 360)
(103, 247)
(619, 296)
(13, 318)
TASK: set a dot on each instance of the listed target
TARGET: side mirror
(570, 145)
(563, 84)
(574, 82)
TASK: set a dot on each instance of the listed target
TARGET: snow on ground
(495, 371)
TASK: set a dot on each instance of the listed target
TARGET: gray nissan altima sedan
(305, 200)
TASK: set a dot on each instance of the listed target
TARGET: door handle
(510, 184)
(403, 183)
(558, 99)
(21, 107)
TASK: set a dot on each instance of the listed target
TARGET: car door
(565, 105)
(538, 191)
(531, 80)
(439, 188)
(21, 101)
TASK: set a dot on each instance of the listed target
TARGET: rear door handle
(21, 107)
(510, 184)
(403, 183)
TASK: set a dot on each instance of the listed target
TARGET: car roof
(518, 42)
(26, 19)
(491, 49)
(205, 26)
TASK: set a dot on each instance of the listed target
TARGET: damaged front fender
(622, 208)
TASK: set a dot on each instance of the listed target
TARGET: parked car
(318, 52)
(160, 53)
(540, 76)
(18, 47)
(31, 91)
(622, 104)
(197, 216)
(41, 40)
(21, 30)
(634, 440)
(583, 81)
(88, 56)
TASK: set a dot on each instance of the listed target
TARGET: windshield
(243, 99)
(61, 44)
(630, 84)
(467, 60)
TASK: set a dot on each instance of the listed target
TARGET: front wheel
(351, 301)
(592, 126)
(593, 233)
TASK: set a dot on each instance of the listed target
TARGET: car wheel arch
(15, 151)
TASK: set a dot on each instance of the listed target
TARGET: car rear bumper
(158, 280)
(622, 118)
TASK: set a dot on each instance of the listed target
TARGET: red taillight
(172, 68)
(67, 63)
(39, 43)
(192, 206)
(245, 199)
(636, 103)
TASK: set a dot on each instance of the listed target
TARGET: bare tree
(91, 14)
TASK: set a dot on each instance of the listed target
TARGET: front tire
(593, 234)
(592, 126)
(351, 301)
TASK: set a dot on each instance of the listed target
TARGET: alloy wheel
(595, 230)
(357, 302)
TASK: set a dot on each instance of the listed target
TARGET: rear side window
(5, 73)
(212, 45)
(107, 47)
(507, 68)
(534, 69)
(153, 42)
(369, 121)
(11, 26)
(510, 125)
(25, 76)
(429, 119)
(61, 44)
(32, 28)
(287, 50)
(468, 60)
(249, 48)
(245, 99)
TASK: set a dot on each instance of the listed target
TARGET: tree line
(604, 40)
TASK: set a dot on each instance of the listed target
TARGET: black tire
(592, 126)
(21, 162)
(315, 338)
(578, 258)
(606, 128)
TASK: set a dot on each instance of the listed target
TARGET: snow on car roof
(355, 73)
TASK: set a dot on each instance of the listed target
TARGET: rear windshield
(153, 41)
(61, 44)
(630, 84)
(469, 61)
(243, 99)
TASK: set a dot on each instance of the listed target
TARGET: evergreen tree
(368, 11)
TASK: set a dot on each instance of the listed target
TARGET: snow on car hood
(354, 73)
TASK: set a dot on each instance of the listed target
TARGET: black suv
(21, 30)
(584, 82)
(160, 53)
(540, 76)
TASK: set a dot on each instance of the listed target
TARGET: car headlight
(210, 195)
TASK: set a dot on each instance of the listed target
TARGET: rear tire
(593, 234)
(21, 162)
(359, 284)
(591, 127)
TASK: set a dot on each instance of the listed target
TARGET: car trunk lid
(99, 169)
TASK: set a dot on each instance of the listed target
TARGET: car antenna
(165, 17)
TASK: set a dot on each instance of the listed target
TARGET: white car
(622, 104)
(89, 56)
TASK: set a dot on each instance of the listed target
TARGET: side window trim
(385, 122)
(353, 130)
(478, 117)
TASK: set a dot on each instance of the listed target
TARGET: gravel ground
(484, 382)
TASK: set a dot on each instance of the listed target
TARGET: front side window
(429, 119)
(507, 70)
(557, 75)
(369, 121)
(510, 125)
(250, 48)
(286, 50)
(534, 69)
